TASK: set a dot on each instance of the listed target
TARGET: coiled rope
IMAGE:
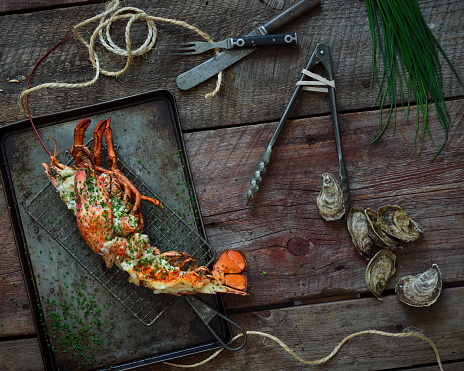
(113, 13)
(407, 333)
(134, 14)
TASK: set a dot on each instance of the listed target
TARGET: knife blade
(214, 65)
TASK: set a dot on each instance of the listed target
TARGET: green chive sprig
(405, 46)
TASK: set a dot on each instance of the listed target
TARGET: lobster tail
(228, 270)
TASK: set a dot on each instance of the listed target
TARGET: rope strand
(405, 334)
(114, 14)
(144, 48)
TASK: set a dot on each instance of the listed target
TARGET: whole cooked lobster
(107, 209)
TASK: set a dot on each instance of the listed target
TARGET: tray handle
(206, 314)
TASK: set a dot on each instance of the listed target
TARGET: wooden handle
(291, 14)
(266, 40)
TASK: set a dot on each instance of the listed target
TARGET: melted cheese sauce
(66, 188)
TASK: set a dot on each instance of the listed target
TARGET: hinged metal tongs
(320, 55)
(206, 314)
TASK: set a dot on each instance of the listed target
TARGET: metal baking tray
(88, 316)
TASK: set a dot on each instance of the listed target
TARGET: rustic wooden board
(430, 191)
(19, 6)
(452, 366)
(255, 90)
(312, 331)
(21, 355)
(285, 206)
(15, 312)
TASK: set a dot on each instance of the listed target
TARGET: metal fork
(198, 47)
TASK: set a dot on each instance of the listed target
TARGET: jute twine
(110, 15)
(407, 333)
(134, 14)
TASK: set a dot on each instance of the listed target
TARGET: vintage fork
(198, 47)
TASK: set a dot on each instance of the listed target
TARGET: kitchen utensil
(320, 55)
(206, 314)
(214, 65)
(198, 47)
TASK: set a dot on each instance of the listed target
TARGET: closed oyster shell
(379, 237)
(330, 200)
(397, 223)
(421, 290)
(379, 270)
(358, 227)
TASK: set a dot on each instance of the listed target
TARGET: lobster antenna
(27, 87)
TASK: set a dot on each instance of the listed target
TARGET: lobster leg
(83, 158)
(154, 201)
(103, 128)
(79, 132)
(109, 146)
(50, 175)
(132, 191)
(177, 259)
(97, 141)
(114, 167)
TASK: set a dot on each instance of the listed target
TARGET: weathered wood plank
(284, 208)
(255, 90)
(14, 6)
(454, 366)
(313, 331)
(15, 313)
(21, 355)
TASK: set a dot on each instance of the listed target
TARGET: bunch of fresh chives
(404, 43)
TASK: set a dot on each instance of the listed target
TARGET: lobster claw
(228, 270)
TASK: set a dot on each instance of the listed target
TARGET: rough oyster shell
(379, 270)
(379, 237)
(421, 290)
(330, 200)
(397, 223)
(358, 227)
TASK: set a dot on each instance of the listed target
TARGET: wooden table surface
(310, 301)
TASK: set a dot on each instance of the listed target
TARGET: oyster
(379, 237)
(330, 200)
(421, 290)
(379, 270)
(359, 230)
(397, 223)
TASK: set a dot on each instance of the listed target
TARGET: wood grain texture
(21, 355)
(225, 137)
(19, 6)
(313, 331)
(386, 172)
(256, 89)
(15, 313)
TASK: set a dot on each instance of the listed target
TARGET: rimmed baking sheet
(80, 322)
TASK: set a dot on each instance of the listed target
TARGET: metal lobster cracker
(320, 55)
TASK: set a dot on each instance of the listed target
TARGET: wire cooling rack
(166, 229)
